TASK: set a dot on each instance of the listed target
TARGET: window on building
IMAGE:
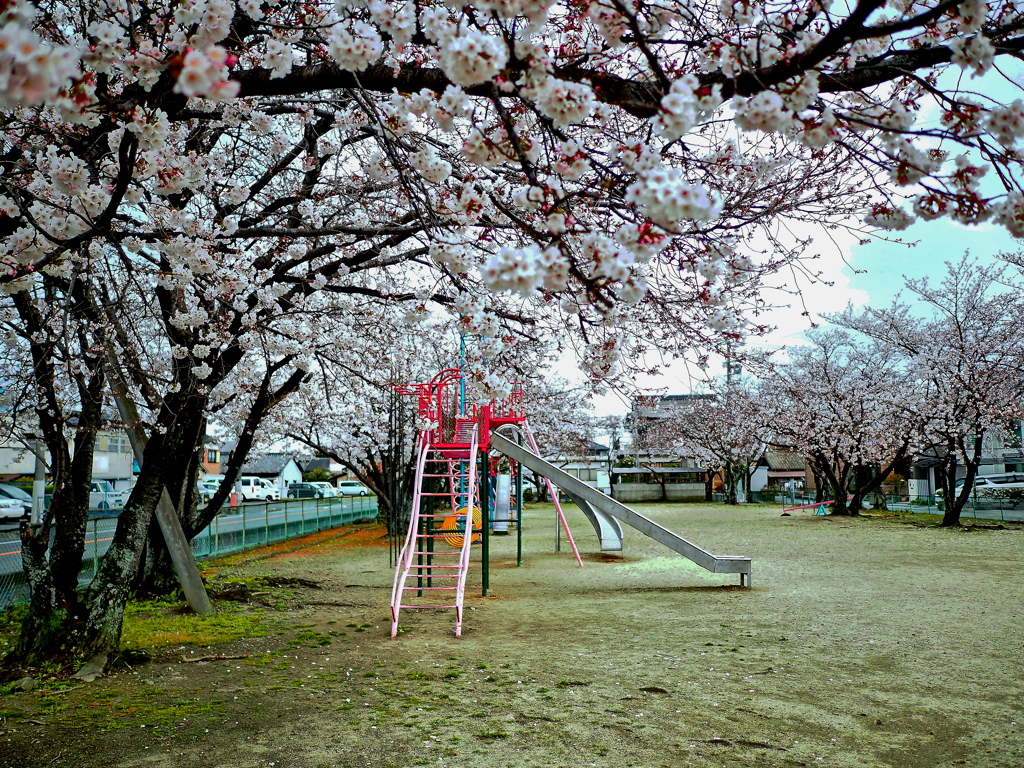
(212, 456)
(588, 475)
(113, 444)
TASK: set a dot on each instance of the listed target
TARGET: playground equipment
(452, 499)
(821, 505)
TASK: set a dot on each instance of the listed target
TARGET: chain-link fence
(235, 528)
(977, 508)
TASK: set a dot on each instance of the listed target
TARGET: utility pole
(732, 369)
(38, 483)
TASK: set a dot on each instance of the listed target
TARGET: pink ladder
(437, 574)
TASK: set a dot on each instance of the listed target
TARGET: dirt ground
(865, 642)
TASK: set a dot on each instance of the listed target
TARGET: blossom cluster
(432, 167)
(524, 270)
(564, 102)
(1006, 123)
(667, 198)
(354, 46)
(31, 71)
(205, 73)
(684, 106)
(468, 56)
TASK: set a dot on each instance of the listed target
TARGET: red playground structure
(454, 506)
(453, 473)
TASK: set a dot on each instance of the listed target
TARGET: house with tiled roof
(279, 468)
(778, 467)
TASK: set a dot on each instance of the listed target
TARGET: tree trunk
(729, 480)
(64, 626)
(955, 503)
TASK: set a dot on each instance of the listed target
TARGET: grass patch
(147, 626)
(309, 638)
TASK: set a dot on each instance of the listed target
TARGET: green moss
(147, 626)
(309, 638)
(420, 676)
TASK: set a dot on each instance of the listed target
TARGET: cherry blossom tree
(562, 420)
(192, 193)
(352, 412)
(964, 345)
(723, 430)
(849, 408)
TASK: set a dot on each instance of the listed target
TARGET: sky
(871, 273)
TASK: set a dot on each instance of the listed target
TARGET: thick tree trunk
(65, 626)
(955, 503)
(51, 612)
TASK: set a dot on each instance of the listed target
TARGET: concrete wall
(633, 492)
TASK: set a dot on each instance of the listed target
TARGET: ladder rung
(438, 553)
(435, 565)
(432, 589)
(426, 606)
(415, 566)
(430, 575)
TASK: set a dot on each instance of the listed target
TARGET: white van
(258, 489)
(102, 495)
(988, 485)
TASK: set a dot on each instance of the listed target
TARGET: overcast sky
(863, 274)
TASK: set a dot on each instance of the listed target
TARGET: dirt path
(864, 643)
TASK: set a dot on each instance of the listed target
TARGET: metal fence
(235, 528)
(980, 508)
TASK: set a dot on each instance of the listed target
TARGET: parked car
(102, 495)
(330, 492)
(1007, 486)
(11, 508)
(305, 491)
(120, 498)
(204, 492)
(352, 488)
(258, 489)
(14, 493)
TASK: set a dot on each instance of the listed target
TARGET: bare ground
(865, 642)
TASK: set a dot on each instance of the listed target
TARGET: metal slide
(598, 507)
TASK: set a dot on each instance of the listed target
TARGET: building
(781, 468)
(212, 457)
(654, 469)
(112, 459)
(590, 466)
(279, 468)
(1000, 453)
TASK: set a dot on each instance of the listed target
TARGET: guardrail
(234, 529)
